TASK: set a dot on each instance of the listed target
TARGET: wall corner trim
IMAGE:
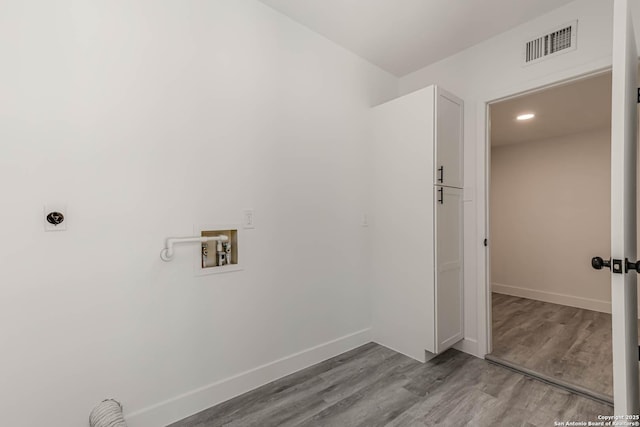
(196, 400)
(469, 346)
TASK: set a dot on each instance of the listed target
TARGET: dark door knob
(632, 265)
(598, 263)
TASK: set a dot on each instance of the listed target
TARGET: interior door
(623, 212)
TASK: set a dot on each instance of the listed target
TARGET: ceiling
(576, 107)
(402, 36)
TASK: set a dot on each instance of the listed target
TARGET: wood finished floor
(568, 343)
(373, 386)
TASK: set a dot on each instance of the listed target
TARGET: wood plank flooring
(373, 386)
(568, 343)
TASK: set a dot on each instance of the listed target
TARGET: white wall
(550, 210)
(492, 69)
(147, 118)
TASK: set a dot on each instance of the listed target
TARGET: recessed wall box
(218, 256)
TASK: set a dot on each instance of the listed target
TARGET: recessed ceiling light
(527, 116)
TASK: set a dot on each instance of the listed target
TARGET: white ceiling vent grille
(556, 42)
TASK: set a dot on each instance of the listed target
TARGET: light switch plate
(55, 207)
(248, 218)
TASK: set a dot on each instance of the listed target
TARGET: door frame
(483, 168)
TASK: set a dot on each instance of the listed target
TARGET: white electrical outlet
(248, 219)
(55, 217)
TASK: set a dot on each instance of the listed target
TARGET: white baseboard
(194, 401)
(552, 297)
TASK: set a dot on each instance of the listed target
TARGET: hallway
(568, 343)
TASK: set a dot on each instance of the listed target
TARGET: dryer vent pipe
(107, 414)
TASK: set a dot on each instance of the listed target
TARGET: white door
(448, 139)
(623, 212)
(448, 262)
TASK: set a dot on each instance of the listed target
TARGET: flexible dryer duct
(107, 414)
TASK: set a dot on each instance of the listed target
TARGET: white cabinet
(448, 147)
(448, 263)
(416, 240)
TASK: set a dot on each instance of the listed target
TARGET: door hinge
(486, 243)
(639, 95)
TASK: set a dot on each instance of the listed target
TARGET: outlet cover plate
(248, 218)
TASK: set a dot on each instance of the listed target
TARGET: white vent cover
(556, 42)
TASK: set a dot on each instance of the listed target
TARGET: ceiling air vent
(556, 42)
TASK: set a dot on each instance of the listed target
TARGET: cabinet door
(448, 262)
(449, 140)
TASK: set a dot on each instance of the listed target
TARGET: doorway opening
(549, 214)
